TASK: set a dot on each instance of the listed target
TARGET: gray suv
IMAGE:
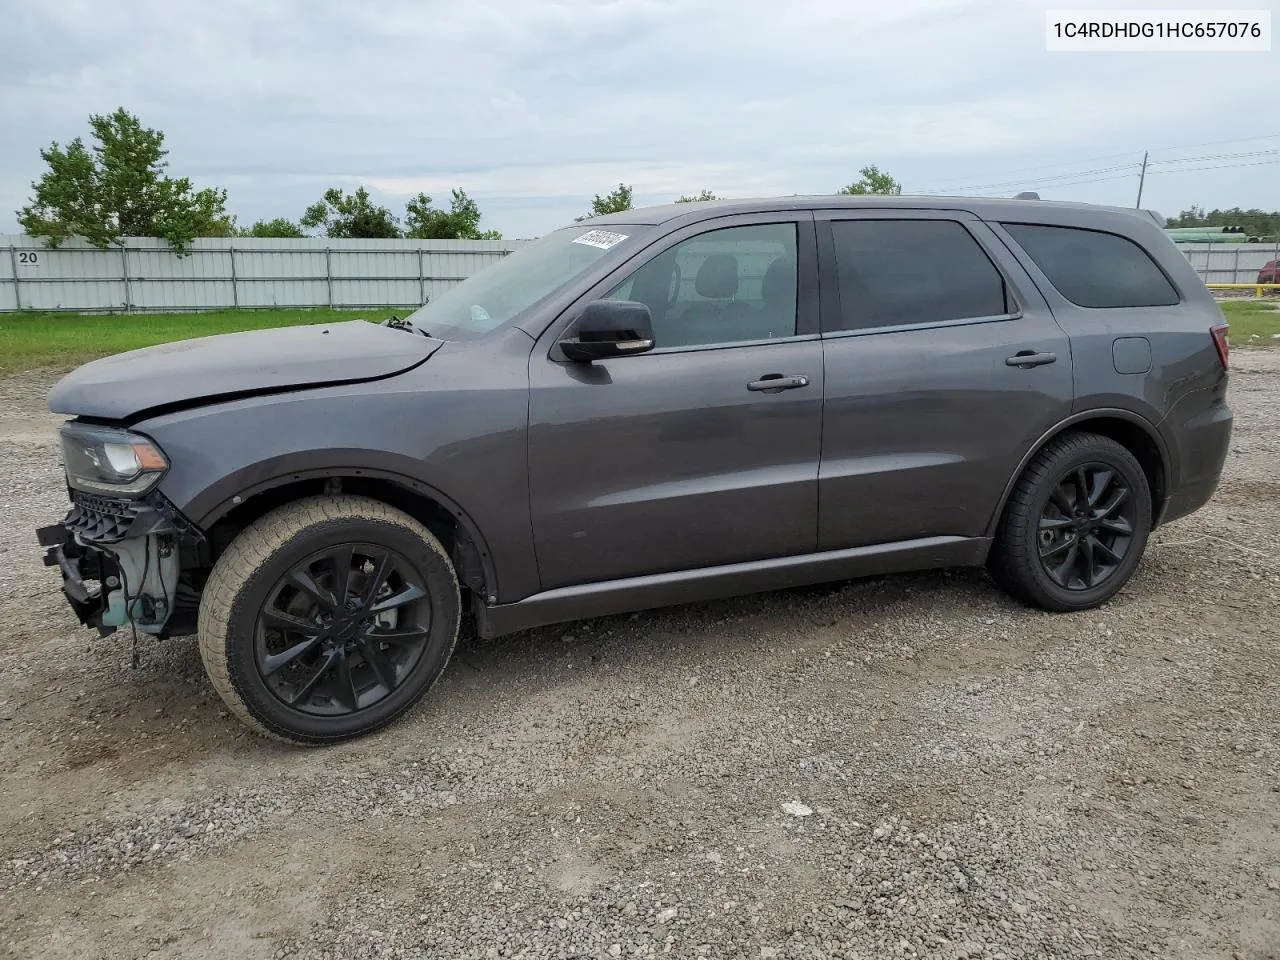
(659, 406)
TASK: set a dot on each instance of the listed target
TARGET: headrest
(717, 277)
(778, 288)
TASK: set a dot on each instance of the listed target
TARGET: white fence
(144, 275)
(1229, 262)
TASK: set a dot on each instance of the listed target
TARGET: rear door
(943, 367)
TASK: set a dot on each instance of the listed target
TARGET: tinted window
(1094, 269)
(895, 272)
(723, 286)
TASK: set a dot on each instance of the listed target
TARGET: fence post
(1235, 266)
(422, 281)
(328, 275)
(235, 291)
(13, 265)
(124, 267)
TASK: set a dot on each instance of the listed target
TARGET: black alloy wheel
(342, 629)
(328, 618)
(1086, 527)
(1074, 525)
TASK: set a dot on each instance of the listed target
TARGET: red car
(1270, 272)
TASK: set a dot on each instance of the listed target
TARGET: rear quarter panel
(1183, 395)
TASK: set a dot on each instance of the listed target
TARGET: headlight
(106, 460)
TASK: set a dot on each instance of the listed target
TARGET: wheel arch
(1134, 432)
(439, 513)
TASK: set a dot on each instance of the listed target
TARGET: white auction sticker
(1175, 31)
(603, 239)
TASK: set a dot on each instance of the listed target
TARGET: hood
(191, 372)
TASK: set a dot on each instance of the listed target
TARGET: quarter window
(1095, 269)
(900, 272)
(724, 286)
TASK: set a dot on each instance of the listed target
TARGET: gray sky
(533, 106)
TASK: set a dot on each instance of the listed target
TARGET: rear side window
(898, 272)
(1095, 269)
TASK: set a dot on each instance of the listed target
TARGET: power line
(1224, 166)
(1134, 172)
(1074, 179)
(1048, 166)
(1218, 156)
(1111, 156)
(1217, 143)
(1076, 183)
(1043, 180)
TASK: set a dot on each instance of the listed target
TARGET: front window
(496, 295)
(731, 285)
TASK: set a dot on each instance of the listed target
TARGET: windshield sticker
(603, 239)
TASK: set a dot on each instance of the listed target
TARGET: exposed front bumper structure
(120, 562)
(87, 573)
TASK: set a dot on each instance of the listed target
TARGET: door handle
(1029, 358)
(777, 382)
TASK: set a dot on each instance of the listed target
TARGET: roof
(984, 207)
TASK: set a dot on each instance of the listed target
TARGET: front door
(943, 368)
(687, 456)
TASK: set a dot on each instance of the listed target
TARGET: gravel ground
(900, 767)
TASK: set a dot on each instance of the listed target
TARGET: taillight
(1219, 334)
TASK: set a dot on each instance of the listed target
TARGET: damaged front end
(120, 547)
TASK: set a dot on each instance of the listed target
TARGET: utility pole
(1141, 178)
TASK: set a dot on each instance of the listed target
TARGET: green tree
(1256, 223)
(873, 182)
(209, 215)
(697, 197)
(120, 189)
(615, 201)
(280, 227)
(1193, 216)
(461, 222)
(353, 216)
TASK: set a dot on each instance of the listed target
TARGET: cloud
(535, 106)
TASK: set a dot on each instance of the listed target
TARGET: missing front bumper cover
(80, 566)
(119, 561)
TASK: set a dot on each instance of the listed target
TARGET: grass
(65, 340)
(1253, 318)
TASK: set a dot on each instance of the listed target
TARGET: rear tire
(328, 618)
(1075, 525)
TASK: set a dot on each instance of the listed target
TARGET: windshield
(493, 297)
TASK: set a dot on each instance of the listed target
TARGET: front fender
(466, 450)
(230, 491)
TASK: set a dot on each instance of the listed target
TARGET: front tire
(328, 618)
(1075, 525)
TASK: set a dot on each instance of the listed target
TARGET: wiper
(408, 326)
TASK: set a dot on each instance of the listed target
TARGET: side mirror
(609, 328)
